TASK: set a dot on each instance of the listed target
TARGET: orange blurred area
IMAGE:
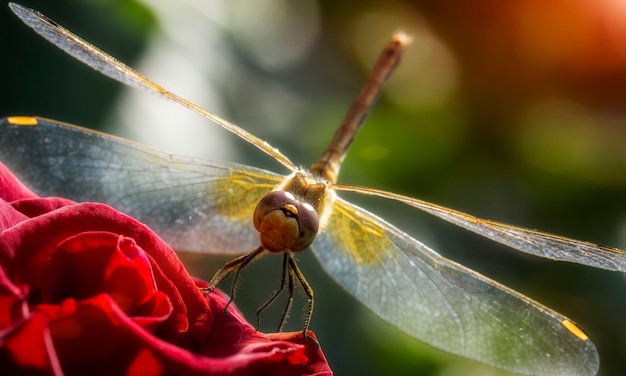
(575, 48)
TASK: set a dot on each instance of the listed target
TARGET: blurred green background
(514, 111)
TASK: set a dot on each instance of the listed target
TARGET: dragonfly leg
(233, 266)
(283, 282)
(288, 305)
(308, 291)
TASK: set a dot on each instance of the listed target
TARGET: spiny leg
(283, 281)
(233, 266)
(308, 291)
(289, 302)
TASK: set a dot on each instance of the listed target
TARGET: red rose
(85, 289)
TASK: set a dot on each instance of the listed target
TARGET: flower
(85, 289)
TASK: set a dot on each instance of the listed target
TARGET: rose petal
(12, 188)
(116, 299)
(9, 216)
(32, 207)
(13, 308)
(27, 348)
(32, 242)
(242, 347)
(311, 361)
(91, 263)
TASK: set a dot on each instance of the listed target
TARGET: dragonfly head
(284, 223)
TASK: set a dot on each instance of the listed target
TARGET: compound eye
(285, 223)
(275, 200)
(309, 223)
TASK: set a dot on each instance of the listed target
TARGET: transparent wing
(194, 204)
(526, 240)
(109, 66)
(445, 304)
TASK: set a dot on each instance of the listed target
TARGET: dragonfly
(222, 207)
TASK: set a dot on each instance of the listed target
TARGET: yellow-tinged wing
(445, 304)
(535, 242)
(194, 204)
